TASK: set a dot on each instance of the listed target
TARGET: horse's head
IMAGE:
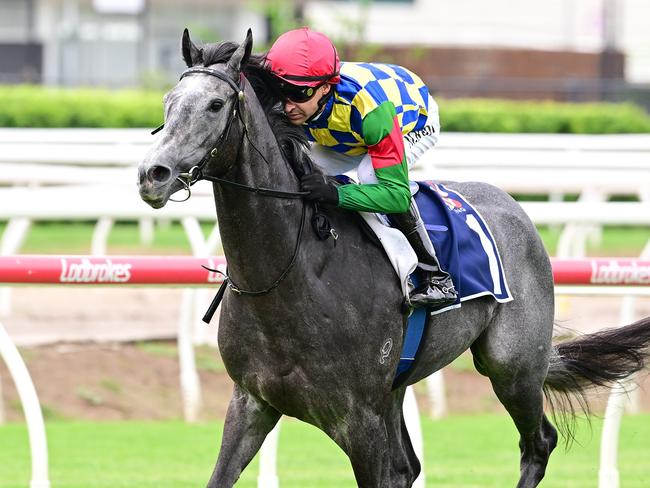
(199, 114)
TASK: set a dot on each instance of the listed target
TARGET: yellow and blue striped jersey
(363, 88)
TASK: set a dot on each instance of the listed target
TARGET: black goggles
(298, 94)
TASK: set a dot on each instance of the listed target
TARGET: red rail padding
(111, 270)
(185, 270)
(601, 271)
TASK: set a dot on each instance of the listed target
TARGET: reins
(196, 173)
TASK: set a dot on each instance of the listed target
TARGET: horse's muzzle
(153, 183)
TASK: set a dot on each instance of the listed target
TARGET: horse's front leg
(248, 421)
(363, 437)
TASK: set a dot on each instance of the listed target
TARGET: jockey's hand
(320, 188)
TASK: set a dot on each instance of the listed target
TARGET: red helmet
(304, 57)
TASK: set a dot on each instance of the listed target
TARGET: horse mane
(292, 140)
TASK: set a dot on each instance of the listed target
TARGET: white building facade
(117, 42)
(581, 25)
(136, 42)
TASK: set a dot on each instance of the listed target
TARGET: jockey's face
(299, 113)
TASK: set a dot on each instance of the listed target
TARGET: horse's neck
(258, 232)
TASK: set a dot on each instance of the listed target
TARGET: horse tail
(589, 361)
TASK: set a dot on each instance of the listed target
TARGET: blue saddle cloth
(463, 242)
(466, 250)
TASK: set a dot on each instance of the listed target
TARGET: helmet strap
(321, 104)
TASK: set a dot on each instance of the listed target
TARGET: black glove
(320, 188)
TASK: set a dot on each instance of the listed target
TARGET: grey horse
(306, 324)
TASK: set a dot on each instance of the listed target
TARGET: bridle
(196, 173)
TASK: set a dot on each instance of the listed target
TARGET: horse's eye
(215, 105)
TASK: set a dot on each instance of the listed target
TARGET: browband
(213, 72)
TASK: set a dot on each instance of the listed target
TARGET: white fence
(518, 163)
(594, 167)
(89, 174)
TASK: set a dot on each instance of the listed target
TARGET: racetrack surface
(50, 314)
(109, 353)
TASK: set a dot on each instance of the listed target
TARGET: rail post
(31, 408)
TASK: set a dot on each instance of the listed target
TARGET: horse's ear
(191, 54)
(243, 52)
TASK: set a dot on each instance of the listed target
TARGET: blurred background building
(561, 49)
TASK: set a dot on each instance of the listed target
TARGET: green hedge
(474, 115)
(34, 106)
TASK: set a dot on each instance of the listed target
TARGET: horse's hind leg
(248, 421)
(516, 363)
(405, 465)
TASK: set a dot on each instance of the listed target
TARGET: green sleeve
(391, 193)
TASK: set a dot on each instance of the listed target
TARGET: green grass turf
(460, 452)
(75, 238)
(617, 241)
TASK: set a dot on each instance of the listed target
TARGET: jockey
(377, 118)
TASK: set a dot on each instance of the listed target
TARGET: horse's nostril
(159, 174)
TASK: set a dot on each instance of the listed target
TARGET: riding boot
(435, 286)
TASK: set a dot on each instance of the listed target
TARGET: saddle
(464, 246)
